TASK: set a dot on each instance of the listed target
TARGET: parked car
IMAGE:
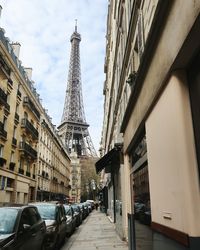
(78, 214)
(85, 209)
(71, 219)
(92, 203)
(21, 228)
(54, 216)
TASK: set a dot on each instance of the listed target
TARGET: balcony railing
(3, 97)
(27, 102)
(7, 109)
(28, 150)
(3, 133)
(29, 128)
(16, 117)
(12, 166)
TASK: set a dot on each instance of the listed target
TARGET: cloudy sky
(43, 28)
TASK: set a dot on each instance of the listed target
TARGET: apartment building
(33, 162)
(53, 164)
(150, 130)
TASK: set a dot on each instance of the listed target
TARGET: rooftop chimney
(29, 72)
(0, 10)
(16, 47)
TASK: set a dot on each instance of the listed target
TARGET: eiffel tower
(74, 128)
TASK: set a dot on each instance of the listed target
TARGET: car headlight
(51, 229)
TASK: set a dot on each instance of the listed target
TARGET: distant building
(150, 138)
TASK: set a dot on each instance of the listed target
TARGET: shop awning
(109, 159)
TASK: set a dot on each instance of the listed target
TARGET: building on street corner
(33, 162)
(150, 164)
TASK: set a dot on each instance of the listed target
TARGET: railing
(7, 107)
(23, 146)
(16, 117)
(30, 128)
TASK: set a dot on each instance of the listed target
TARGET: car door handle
(33, 235)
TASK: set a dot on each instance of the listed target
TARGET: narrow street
(96, 232)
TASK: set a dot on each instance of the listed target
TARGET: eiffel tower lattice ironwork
(74, 128)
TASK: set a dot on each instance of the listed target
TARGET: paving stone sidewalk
(96, 232)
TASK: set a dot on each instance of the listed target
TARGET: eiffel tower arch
(73, 129)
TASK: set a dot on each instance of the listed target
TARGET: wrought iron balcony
(29, 128)
(2, 161)
(12, 166)
(7, 108)
(16, 117)
(3, 97)
(3, 133)
(28, 150)
(27, 102)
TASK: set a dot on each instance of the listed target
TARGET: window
(25, 218)
(17, 108)
(14, 132)
(34, 216)
(5, 122)
(25, 115)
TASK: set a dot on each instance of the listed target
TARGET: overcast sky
(43, 28)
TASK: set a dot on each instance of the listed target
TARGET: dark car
(71, 219)
(21, 228)
(77, 214)
(54, 216)
(85, 209)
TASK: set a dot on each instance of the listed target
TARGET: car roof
(16, 206)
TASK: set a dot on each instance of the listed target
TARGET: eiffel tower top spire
(75, 25)
(74, 128)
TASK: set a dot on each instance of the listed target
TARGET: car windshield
(67, 210)
(7, 220)
(47, 212)
(75, 207)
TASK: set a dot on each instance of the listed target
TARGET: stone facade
(151, 109)
(32, 158)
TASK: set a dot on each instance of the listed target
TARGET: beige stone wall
(173, 175)
(19, 184)
(183, 13)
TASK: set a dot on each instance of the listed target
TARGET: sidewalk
(96, 232)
